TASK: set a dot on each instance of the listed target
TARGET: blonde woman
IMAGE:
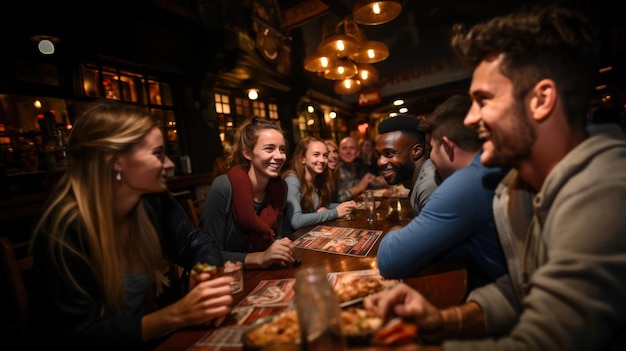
(100, 244)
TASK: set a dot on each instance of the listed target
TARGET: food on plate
(358, 287)
(284, 328)
(356, 320)
(395, 332)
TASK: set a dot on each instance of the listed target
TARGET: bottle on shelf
(47, 124)
(60, 151)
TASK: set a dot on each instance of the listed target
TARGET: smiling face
(269, 153)
(144, 168)
(500, 121)
(333, 157)
(348, 150)
(394, 156)
(315, 158)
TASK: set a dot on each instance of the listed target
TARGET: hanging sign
(369, 97)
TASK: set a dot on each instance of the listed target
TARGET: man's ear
(543, 99)
(448, 146)
(417, 151)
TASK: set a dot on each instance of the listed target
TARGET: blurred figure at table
(333, 165)
(100, 245)
(354, 177)
(457, 221)
(366, 147)
(403, 158)
(565, 289)
(310, 187)
(243, 208)
(333, 155)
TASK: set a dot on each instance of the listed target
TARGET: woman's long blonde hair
(82, 202)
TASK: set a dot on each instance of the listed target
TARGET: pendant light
(347, 86)
(342, 69)
(375, 12)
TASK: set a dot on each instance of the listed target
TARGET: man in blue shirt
(457, 221)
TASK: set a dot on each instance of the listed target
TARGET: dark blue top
(457, 222)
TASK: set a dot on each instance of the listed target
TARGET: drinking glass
(369, 202)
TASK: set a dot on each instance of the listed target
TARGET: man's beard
(512, 146)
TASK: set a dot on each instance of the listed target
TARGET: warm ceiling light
(374, 12)
(338, 45)
(348, 86)
(317, 62)
(253, 94)
(332, 114)
(371, 51)
(367, 74)
(342, 70)
(403, 110)
(398, 102)
(310, 109)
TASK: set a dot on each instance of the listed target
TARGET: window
(113, 83)
(273, 109)
(222, 104)
(242, 107)
(258, 109)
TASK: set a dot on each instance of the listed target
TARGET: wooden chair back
(194, 209)
(16, 264)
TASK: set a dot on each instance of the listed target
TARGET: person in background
(310, 187)
(333, 156)
(243, 208)
(366, 147)
(220, 166)
(353, 175)
(457, 221)
(403, 158)
(101, 242)
(565, 289)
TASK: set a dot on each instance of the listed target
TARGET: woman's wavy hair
(246, 137)
(82, 203)
(322, 183)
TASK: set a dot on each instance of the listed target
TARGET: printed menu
(339, 240)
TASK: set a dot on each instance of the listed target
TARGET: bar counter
(444, 284)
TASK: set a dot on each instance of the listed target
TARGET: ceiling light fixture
(347, 86)
(342, 69)
(375, 12)
(346, 56)
(45, 44)
(253, 94)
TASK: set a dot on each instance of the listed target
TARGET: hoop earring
(118, 176)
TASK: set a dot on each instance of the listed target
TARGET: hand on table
(345, 208)
(280, 252)
(405, 302)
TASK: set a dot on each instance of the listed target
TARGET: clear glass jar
(319, 314)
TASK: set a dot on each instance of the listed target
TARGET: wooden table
(444, 284)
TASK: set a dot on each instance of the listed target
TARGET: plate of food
(352, 287)
(358, 328)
